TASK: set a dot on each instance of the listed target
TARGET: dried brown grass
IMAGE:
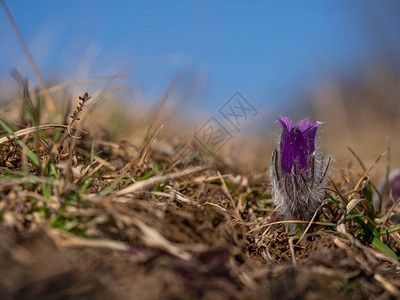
(188, 231)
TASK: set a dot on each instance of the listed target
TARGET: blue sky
(270, 51)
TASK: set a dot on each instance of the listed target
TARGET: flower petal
(303, 125)
(293, 148)
(287, 126)
(394, 183)
(314, 123)
(309, 136)
(286, 123)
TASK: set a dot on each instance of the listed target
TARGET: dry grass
(89, 217)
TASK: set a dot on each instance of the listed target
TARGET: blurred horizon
(272, 53)
(334, 61)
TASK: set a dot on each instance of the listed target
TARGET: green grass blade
(47, 190)
(369, 229)
(357, 158)
(337, 202)
(391, 229)
(384, 249)
(31, 156)
(149, 174)
(326, 224)
(87, 183)
(92, 154)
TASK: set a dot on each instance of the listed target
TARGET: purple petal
(293, 149)
(314, 123)
(287, 126)
(303, 125)
(309, 136)
(286, 123)
(394, 183)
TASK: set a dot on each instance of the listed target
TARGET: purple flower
(394, 184)
(298, 170)
(391, 186)
(297, 143)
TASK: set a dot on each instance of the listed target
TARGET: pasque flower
(394, 183)
(298, 170)
(392, 189)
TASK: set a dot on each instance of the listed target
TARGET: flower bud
(298, 170)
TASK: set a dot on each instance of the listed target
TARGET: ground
(98, 218)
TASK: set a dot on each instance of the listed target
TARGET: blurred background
(335, 61)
